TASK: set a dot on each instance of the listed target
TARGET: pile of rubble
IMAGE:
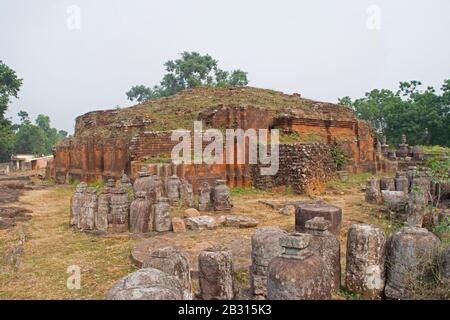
(408, 194)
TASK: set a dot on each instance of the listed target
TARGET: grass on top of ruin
(350, 181)
(435, 150)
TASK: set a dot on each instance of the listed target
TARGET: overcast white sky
(323, 49)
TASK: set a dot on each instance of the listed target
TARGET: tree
(24, 117)
(190, 71)
(423, 115)
(62, 134)
(30, 139)
(9, 87)
(140, 93)
(7, 140)
(38, 138)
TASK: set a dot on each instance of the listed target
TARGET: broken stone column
(327, 246)
(140, 214)
(174, 190)
(101, 218)
(87, 219)
(422, 184)
(373, 193)
(298, 273)
(366, 249)
(147, 284)
(216, 276)
(387, 183)
(403, 150)
(221, 197)
(158, 191)
(412, 253)
(144, 183)
(401, 182)
(125, 183)
(77, 204)
(119, 210)
(161, 216)
(265, 247)
(410, 174)
(173, 262)
(204, 198)
(391, 155)
(187, 194)
(415, 208)
(417, 154)
(104, 200)
(199, 223)
(309, 210)
(395, 200)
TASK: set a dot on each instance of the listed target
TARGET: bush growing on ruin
(99, 184)
(424, 281)
(442, 230)
(340, 157)
(74, 182)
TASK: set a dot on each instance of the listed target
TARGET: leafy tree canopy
(38, 138)
(9, 87)
(423, 115)
(189, 71)
(25, 137)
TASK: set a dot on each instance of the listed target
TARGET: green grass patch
(162, 158)
(348, 295)
(350, 181)
(241, 191)
(435, 150)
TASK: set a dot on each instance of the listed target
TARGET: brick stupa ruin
(108, 143)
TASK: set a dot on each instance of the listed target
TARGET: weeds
(242, 191)
(98, 185)
(351, 181)
(340, 158)
(348, 295)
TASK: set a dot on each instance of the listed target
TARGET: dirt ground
(51, 246)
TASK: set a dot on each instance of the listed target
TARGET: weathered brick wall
(107, 142)
(151, 143)
(108, 120)
(351, 136)
(304, 167)
(90, 159)
(235, 116)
